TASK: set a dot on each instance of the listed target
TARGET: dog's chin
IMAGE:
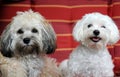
(94, 42)
(96, 46)
(27, 49)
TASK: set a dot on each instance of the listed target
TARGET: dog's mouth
(95, 39)
(27, 49)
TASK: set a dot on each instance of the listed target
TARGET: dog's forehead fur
(28, 19)
(97, 18)
(29, 15)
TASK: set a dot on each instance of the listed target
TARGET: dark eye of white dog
(103, 26)
(34, 30)
(20, 31)
(90, 25)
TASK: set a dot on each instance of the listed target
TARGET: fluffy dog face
(96, 30)
(28, 33)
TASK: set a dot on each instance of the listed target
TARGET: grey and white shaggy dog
(92, 59)
(24, 45)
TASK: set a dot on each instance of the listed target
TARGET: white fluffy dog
(92, 58)
(24, 45)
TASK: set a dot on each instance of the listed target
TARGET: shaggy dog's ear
(5, 42)
(78, 29)
(49, 38)
(114, 35)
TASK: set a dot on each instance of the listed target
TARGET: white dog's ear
(114, 35)
(49, 38)
(78, 29)
(5, 42)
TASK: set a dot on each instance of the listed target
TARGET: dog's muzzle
(96, 37)
(29, 47)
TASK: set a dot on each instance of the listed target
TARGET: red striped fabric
(115, 13)
(63, 14)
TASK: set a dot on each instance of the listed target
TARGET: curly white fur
(92, 59)
(26, 41)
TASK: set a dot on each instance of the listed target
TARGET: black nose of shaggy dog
(96, 32)
(26, 40)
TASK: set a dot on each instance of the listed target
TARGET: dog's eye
(20, 31)
(103, 26)
(90, 25)
(34, 30)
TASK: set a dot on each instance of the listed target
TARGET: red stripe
(77, 13)
(70, 2)
(55, 12)
(117, 49)
(67, 13)
(116, 10)
(63, 28)
(117, 21)
(117, 66)
(111, 51)
(5, 14)
(65, 42)
(60, 56)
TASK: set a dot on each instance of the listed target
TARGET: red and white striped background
(63, 14)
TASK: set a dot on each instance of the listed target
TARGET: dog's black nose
(26, 40)
(96, 32)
